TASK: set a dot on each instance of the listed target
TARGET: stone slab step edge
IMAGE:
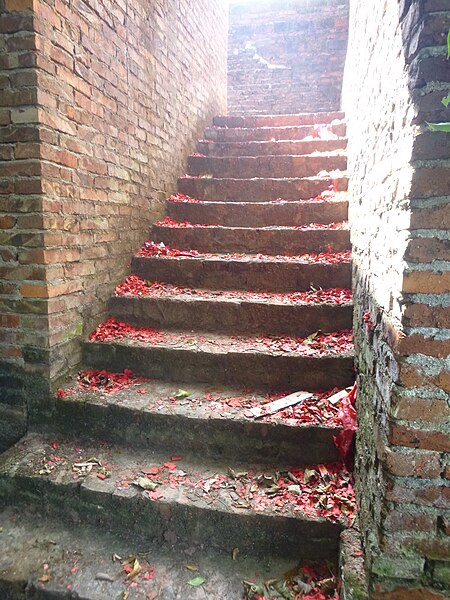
(278, 120)
(222, 134)
(251, 240)
(245, 167)
(258, 189)
(149, 420)
(260, 214)
(270, 148)
(222, 366)
(102, 502)
(76, 554)
(250, 273)
(230, 316)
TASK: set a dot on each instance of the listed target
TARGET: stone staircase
(160, 472)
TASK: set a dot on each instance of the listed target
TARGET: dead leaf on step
(145, 484)
(131, 567)
(235, 553)
(104, 577)
(192, 567)
(44, 578)
(308, 475)
(311, 337)
(196, 581)
(152, 595)
(183, 393)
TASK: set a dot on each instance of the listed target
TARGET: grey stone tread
(273, 148)
(268, 133)
(277, 363)
(278, 120)
(148, 415)
(268, 240)
(258, 189)
(259, 214)
(77, 555)
(291, 166)
(195, 499)
(233, 315)
(243, 272)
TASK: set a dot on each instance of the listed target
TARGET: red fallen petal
(176, 458)
(61, 393)
(142, 391)
(151, 471)
(74, 569)
(53, 444)
(170, 465)
(154, 495)
(101, 476)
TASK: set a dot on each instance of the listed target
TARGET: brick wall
(101, 104)
(286, 56)
(396, 75)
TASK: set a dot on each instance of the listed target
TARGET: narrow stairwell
(167, 451)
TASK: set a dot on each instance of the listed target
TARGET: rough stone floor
(202, 450)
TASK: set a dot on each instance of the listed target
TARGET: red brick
(420, 344)
(426, 282)
(423, 315)
(427, 250)
(19, 5)
(428, 494)
(412, 464)
(7, 222)
(429, 410)
(9, 321)
(400, 520)
(400, 435)
(432, 217)
(407, 593)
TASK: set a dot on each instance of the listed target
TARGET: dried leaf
(182, 394)
(308, 475)
(136, 569)
(196, 581)
(145, 484)
(235, 553)
(192, 567)
(44, 578)
(104, 577)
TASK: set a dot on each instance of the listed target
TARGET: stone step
(220, 505)
(271, 148)
(259, 189)
(278, 120)
(246, 272)
(205, 357)
(247, 167)
(49, 559)
(269, 134)
(252, 240)
(168, 307)
(259, 214)
(205, 419)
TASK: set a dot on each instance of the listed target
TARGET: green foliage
(445, 101)
(439, 127)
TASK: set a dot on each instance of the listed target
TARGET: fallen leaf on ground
(145, 484)
(196, 581)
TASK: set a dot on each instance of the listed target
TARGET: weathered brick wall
(20, 198)
(396, 75)
(103, 101)
(286, 56)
